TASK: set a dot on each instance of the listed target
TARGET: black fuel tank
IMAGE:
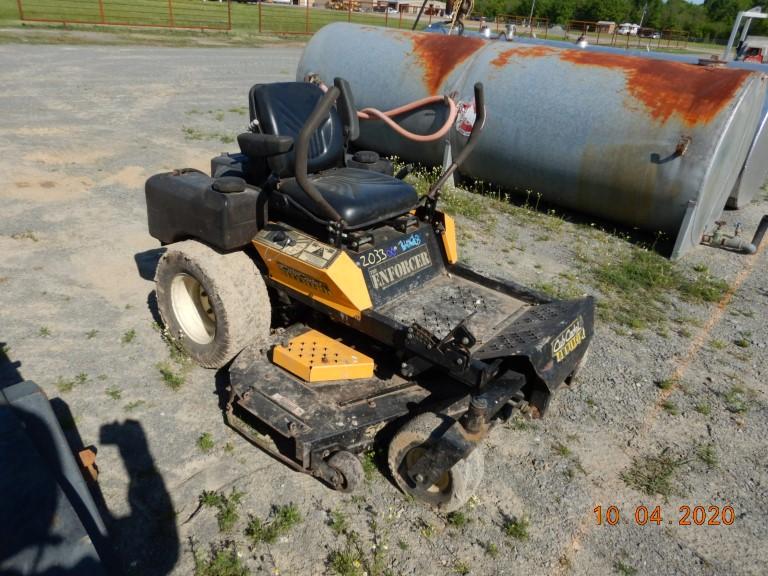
(222, 212)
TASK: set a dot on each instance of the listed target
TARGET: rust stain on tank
(439, 55)
(694, 93)
(503, 58)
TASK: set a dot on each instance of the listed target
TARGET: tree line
(710, 20)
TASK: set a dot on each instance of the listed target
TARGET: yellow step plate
(314, 357)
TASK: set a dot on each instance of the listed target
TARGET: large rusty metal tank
(647, 143)
(754, 172)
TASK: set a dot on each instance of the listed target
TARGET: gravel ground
(668, 413)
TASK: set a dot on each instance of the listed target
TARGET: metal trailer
(754, 172)
(654, 144)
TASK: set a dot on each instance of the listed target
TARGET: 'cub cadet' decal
(569, 339)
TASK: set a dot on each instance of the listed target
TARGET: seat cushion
(361, 197)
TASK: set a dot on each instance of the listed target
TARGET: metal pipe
(757, 239)
(319, 114)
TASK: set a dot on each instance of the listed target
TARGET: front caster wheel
(349, 468)
(455, 486)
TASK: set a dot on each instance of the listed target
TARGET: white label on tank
(465, 119)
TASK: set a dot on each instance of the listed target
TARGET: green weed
(283, 518)
(624, 569)
(205, 442)
(717, 344)
(707, 454)
(26, 235)
(653, 474)
(114, 392)
(226, 507)
(667, 383)
(131, 406)
(703, 408)
(222, 560)
(491, 549)
(91, 334)
(129, 336)
(670, 407)
(339, 523)
(517, 528)
(704, 288)
(457, 519)
(44, 332)
(736, 400)
(369, 464)
(173, 379)
(461, 567)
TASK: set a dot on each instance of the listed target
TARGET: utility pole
(530, 18)
(645, 13)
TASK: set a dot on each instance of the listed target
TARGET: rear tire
(456, 486)
(212, 304)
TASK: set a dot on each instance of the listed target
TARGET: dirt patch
(41, 187)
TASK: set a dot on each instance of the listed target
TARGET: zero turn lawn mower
(339, 294)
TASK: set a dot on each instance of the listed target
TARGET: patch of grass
(707, 454)
(704, 288)
(131, 406)
(91, 334)
(491, 549)
(369, 464)
(716, 344)
(463, 203)
(4, 351)
(26, 235)
(192, 133)
(205, 442)
(402, 544)
(637, 269)
(339, 522)
(64, 385)
(624, 569)
(283, 518)
(653, 474)
(516, 528)
(736, 400)
(743, 340)
(561, 290)
(667, 383)
(426, 529)
(561, 450)
(229, 447)
(461, 567)
(241, 110)
(703, 408)
(347, 562)
(173, 379)
(129, 336)
(670, 408)
(226, 507)
(44, 332)
(518, 422)
(114, 392)
(221, 560)
(457, 519)
(195, 134)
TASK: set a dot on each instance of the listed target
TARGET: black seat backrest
(282, 109)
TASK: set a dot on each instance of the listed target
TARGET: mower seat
(361, 197)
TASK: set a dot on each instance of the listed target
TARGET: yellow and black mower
(339, 294)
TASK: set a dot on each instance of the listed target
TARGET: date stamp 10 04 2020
(685, 516)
